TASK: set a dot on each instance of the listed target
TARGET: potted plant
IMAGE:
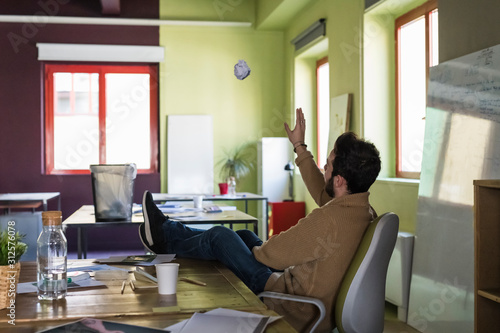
(11, 250)
(234, 165)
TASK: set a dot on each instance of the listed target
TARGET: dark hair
(357, 160)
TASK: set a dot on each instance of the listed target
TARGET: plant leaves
(11, 245)
(235, 163)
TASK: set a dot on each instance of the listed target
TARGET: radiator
(397, 288)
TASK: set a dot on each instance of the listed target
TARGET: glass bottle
(231, 187)
(52, 250)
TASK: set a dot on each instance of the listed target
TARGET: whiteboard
(340, 114)
(190, 154)
(273, 156)
(461, 143)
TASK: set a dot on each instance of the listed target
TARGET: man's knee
(244, 232)
(220, 231)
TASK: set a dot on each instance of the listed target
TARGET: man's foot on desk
(151, 231)
(151, 248)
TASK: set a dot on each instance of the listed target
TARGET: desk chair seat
(360, 304)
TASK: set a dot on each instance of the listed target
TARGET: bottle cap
(53, 217)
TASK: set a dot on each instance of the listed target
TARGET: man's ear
(340, 181)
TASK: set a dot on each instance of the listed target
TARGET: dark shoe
(142, 236)
(151, 232)
(151, 248)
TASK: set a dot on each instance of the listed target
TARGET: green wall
(361, 63)
(343, 48)
(197, 77)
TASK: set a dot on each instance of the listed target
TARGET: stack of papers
(223, 320)
(165, 208)
(212, 209)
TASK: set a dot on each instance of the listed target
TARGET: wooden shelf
(491, 183)
(492, 294)
(487, 255)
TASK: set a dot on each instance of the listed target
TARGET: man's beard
(329, 187)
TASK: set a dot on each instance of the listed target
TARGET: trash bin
(113, 191)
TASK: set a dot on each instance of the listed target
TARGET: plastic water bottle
(52, 250)
(231, 187)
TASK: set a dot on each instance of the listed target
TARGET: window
(416, 51)
(323, 109)
(100, 114)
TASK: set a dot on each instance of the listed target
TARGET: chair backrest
(360, 305)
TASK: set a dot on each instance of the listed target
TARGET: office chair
(360, 304)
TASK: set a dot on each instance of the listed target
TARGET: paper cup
(167, 278)
(198, 201)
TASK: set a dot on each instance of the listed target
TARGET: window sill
(402, 181)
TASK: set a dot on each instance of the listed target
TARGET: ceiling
(270, 14)
(279, 14)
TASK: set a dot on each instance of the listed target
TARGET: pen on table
(200, 283)
(123, 285)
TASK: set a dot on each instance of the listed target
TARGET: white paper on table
(220, 321)
(187, 217)
(224, 208)
(179, 210)
(170, 209)
(161, 258)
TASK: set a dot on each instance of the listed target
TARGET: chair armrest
(302, 299)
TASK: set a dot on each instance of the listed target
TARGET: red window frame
(424, 10)
(101, 69)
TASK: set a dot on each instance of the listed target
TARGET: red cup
(223, 188)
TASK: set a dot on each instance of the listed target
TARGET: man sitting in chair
(310, 258)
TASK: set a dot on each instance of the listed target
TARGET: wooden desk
(84, 218)
(137, 307)
(28, 200)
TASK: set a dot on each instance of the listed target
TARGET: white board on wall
(190, 154)
(273, 155)
(340, 114)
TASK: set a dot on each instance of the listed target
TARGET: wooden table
(223, 290)
(28, 200)
(84, 218)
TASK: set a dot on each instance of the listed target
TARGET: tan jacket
(315, 254)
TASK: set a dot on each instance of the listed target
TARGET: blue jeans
(233, 249)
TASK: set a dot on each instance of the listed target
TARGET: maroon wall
(21, 95)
